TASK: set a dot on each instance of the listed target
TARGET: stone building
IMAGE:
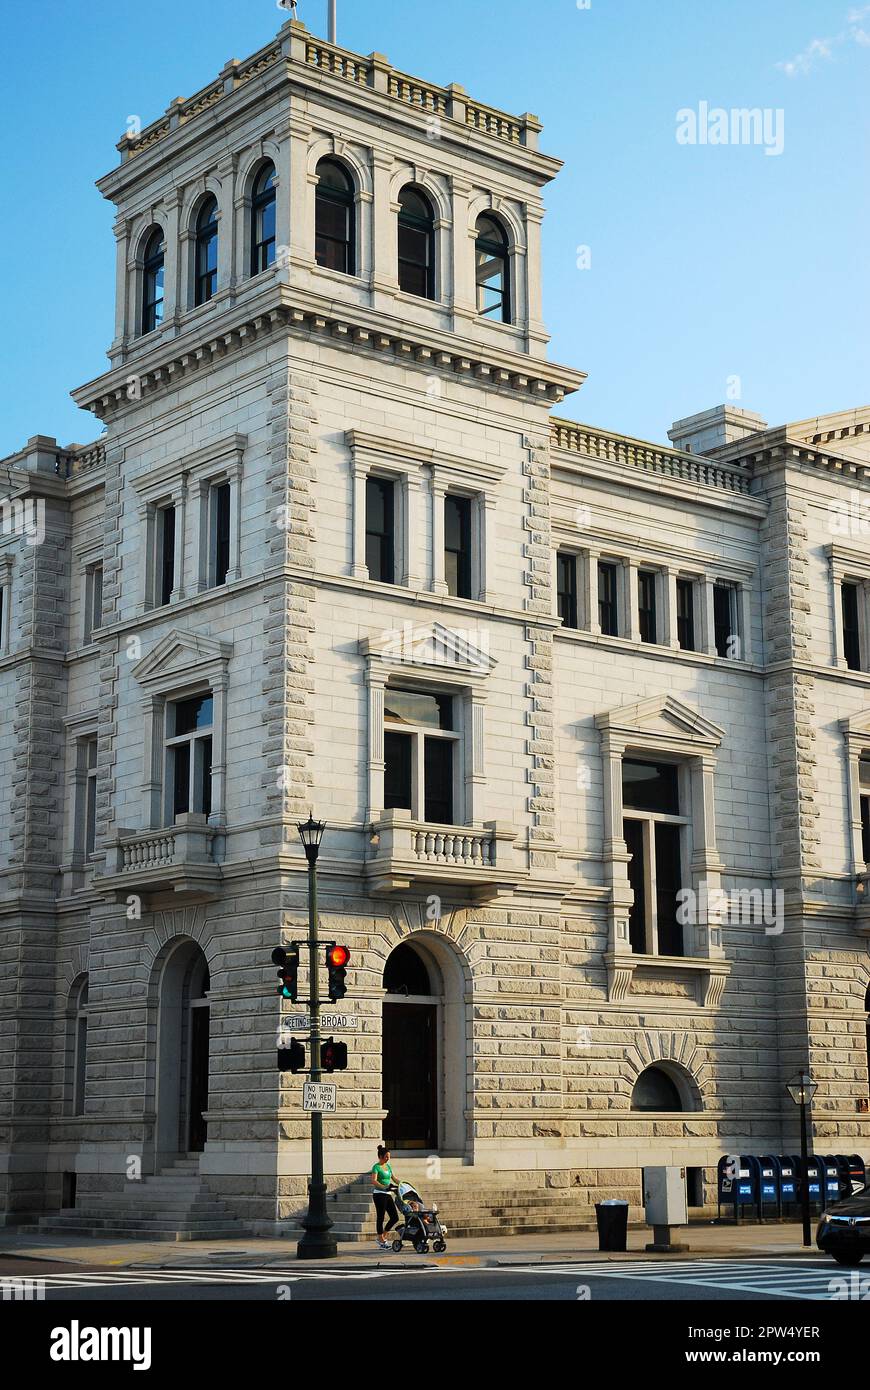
(587, 717)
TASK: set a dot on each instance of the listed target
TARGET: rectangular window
(438, 781)
(686, 614)
(380, 530)
(633, 833)
(189, 756)
(90, 838)
(864, 782)
(653, 829)
(667, 848)
(646, 606)
(725, 620)
(93, 600)
(851, 627)
(219, 508)
(457, 545)
(650, 787)
(608, 617)
(164, 559)
(566, 588)
(420, 758)
(398, 773)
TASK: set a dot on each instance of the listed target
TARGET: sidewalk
(704, 1242)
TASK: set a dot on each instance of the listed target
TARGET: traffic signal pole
(317, 1243)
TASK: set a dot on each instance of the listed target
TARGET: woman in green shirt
(382, 1179)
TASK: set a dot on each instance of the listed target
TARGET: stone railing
(337, 61)
(445, 846)
(407, 851)
(492, 122)
(647, 458)
(75, 461)
(189, 841)
(295, 45)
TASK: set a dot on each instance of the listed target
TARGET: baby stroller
(421, 1223)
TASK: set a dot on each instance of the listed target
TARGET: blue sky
(707, 263)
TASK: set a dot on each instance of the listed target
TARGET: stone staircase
(176, 1204)
(472, 1203)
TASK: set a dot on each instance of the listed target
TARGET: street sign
(319, 1096)
(329, 1023)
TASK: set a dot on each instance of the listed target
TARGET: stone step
(119, 1232)
(133, 1223)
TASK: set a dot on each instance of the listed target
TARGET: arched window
(406, 973)
(656, 1090)
(492, 271)
(416, 244)
(77, 1037)
(206, 252)
(334, 230)
(263, 220)
(152, 281)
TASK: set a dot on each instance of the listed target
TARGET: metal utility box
(664, 1196)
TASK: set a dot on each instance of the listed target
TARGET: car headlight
(825, 1219)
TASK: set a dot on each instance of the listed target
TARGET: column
(590, 592)
(536, 331)
(358, 566)
(152, 707)
(837, 616)
(376, 682)
(172, 261)
(464, 293)
(439, 492)
(743, 599)
(385, 273)
(226, 278)
(709, 619)
(669, 593)
(125, 279)
(474, 757)
(218, 814)
(706, 867)
(297, 202)
(486, 510)
(630, 612)
(413, 550)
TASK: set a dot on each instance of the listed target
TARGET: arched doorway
(424, 1048)
(659, 1089)
(182, 1052)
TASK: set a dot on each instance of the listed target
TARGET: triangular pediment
(857, 726)
(180, 654)
(432, 646)
(664, 717)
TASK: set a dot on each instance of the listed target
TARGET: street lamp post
(802, 1089)
(317, 1243)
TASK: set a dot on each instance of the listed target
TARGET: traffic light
(337, 958)
(288, 973)
(292, 1058)
(333, 1055)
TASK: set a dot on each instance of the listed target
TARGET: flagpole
(332, 21)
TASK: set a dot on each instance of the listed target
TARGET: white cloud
(822, 50)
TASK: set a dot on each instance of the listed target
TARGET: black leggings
(385, 1206)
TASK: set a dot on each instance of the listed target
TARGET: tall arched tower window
(263, 220)
(416, 244)
(152, 281)
(206, 252)
(492, 271)
(334, 221)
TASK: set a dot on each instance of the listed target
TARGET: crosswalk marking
(780, 1278)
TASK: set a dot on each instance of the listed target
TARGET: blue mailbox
(857, 1173)
(769, 1189)
(812, 1174)
(788, 1184)
(832, 1179)
(738, 1184)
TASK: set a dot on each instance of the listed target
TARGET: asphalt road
(642, 1280)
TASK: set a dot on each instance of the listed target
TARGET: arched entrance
(182, 1052)
(424, 1051)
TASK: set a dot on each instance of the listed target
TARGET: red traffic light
(338, 956)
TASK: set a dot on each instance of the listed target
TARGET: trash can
(612, 1218)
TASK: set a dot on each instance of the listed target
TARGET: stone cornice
(282, 308)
